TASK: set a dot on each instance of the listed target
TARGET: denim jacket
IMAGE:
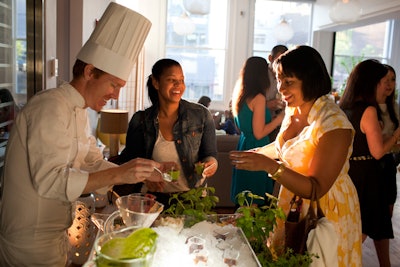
(194, 136)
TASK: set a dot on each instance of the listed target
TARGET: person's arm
(268, 150)
(369, 125)
(134, 171)
(51, 146)
(275, 104)
(260, 128)
(208, 147)
(326, 164)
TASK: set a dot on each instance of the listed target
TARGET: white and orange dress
(340, 204)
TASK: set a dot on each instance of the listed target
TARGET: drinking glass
(196, 243)
(231, 257)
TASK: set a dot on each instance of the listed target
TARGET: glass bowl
(135, 211)
(103, 260)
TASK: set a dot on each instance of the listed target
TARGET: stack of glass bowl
(134, 212)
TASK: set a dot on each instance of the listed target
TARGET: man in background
(205, 101)
(274, 103)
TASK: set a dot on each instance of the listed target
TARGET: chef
(51, 159)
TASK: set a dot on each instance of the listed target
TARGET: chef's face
(101, 88)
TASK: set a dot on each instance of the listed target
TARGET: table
(172, 246)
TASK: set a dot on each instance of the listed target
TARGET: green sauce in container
(135, 250)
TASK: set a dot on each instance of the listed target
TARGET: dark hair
(156, 71)
(390, 100)
(79, 67)
(362, 83)
(307, 65)
(7, 112)
(253, 80)
(5, 95)
(278, 50)
(205, 101)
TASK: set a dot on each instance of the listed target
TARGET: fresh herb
(290, 259)
(257, 223)
(195, 204)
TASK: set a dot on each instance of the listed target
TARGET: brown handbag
(296, 230)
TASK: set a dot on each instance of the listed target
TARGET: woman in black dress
(389, 162)
(361, 107)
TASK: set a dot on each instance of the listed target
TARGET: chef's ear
(88, 71)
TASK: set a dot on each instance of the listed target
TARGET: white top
(388, 125)
(165, 151)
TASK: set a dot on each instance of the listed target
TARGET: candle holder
(82, 233)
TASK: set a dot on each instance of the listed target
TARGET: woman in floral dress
(315, 140)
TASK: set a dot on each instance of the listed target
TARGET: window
(213, 42)
(6, 46)
(357, 44)
(20, 47)
(280, 22)
(13, 49)
(197, 40)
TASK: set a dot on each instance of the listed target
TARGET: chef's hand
(138, 170)
(167, 166)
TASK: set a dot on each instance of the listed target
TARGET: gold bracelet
(278, 173)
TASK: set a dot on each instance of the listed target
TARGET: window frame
(387, 50)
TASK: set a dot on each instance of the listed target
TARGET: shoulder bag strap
(314, 199)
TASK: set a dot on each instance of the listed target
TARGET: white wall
(76, 20)
(50, 51)
(241, 29)
(63, 40)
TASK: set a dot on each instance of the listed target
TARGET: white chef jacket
(49, 155)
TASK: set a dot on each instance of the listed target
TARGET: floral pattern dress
(340, 204)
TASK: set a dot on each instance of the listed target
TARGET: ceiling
(373, 11)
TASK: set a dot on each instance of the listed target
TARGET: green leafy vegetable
(137, 245)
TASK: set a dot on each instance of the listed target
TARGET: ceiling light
(197, 7)
(183, 25)
(283, 32)
(345, 11)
